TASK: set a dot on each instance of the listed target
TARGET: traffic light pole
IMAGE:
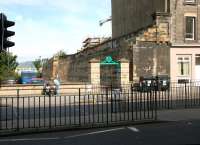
(2, 32)
(5, 33)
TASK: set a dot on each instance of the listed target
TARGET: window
(197, 59)
(190, 1)
(190, 28)
(183, 66)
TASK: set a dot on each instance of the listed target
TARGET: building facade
(185, 40)
(165, 32)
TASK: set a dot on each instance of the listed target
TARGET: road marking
(133, 129)
(93, 133)
(27, 139)
(57, 138)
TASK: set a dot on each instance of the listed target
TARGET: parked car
(152, 83)
(9, 81)
(163, 82)
(37, 81)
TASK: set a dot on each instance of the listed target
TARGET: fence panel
(108, 108)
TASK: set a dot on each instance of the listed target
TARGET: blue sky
(44, 27)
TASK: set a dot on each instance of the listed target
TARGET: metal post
(111, 87)
(132, 100)
(107, 106)
(49, 110)
(0, 114)
(79, 104)
(17, 109)
(185, 95)
(156, 107)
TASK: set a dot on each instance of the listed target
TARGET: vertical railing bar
(44, 111)
(84, 108)
(29, 112)
(23, 112)
(34, 110)
(70, 121)
(140, 103)
(60, 111)
(74, 107)
(128, 109)
(136, 105)
(132, 102)
(39, 112)
(185, 95)
(151, 104)
(1, 120)
(79, 105)
(115, 106)
(199, 95)
(111, 102)
(65, 108)
(50, 111)
(156, 107)
(97, 102)
(107, 121)
(102, 106)
(148, 110)
(120, 106)
(144, 102)
(124, 104)
(93, 110)
(55, 112)
(6, 113)
(89, 108)
(12, 114)
(17, 109)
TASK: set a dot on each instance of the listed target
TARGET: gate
(110, 73)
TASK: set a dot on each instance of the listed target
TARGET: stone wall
(146, 51)
(150, 58)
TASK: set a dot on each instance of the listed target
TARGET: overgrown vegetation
(8, 64)
(61, 54)
(38, 65)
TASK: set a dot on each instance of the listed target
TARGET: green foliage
(38, 65)
(8, 64)
(61, 54)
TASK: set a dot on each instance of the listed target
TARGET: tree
(38, 64)
(60, 54)
(8, 64)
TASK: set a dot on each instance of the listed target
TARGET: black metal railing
(100, 106)
(80, 110)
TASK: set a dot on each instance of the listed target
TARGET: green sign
(109, 61)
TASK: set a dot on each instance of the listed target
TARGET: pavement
(179, 114)
(171, 133)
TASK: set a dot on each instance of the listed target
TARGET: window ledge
(190, 3)
(190, 41)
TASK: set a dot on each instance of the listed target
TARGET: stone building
(149, 37)
(169, 45)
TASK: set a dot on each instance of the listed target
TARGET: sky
(44, 27)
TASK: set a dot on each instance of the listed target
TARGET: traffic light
(5, 34)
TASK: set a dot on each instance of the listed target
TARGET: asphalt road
(171, 133)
